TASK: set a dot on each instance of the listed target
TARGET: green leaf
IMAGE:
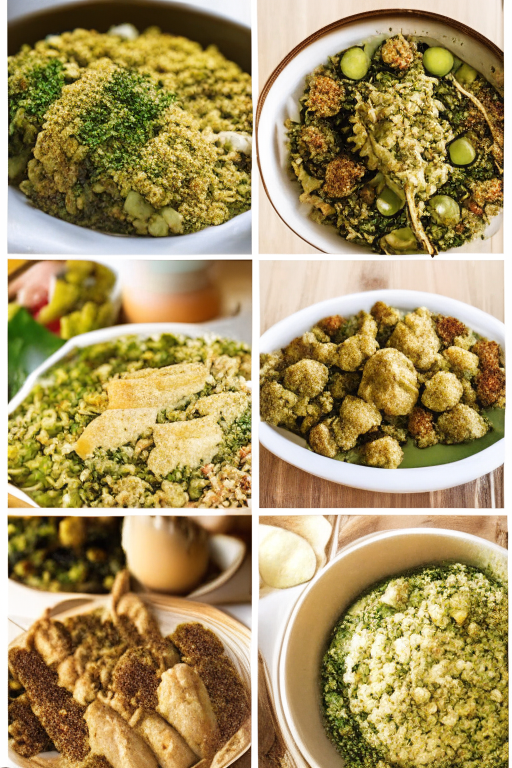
(29, 344)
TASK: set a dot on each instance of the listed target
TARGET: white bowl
(235, 328)
(361, 564)
(293, 449)
(280, 97)
(31, 230)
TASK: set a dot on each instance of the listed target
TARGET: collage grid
(258, 625)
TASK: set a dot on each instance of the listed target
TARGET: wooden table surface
(287, 286)
(283, 24)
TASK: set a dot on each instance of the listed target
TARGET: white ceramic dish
(33, 231)
(237, 328)
(279, 101)
(357, 567)
(292, 449)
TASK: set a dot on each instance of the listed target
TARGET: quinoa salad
(157, 422)
(399, 147)
(359, 389)
(416, 673)
(128, 133)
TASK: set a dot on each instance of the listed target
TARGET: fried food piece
(488, 352)
(355, 351)
(385, 453)
(421, 427)
(342, 176)
(137, 625)
(60, 715)
(416, 337)
(307, 378)
(390, 382)
(490, 386)
(277, 404)
(321, 440)
(184, 702)
(343, 384)
(448, 328)
(356, 418)
(50, 639)
(28, 735)
(202, 649)
(442, 392)
(462, 362)
(170, 749)
(113, 738)
(460, 425)
(308, 346)
(325, 96)
(331, 325)
(397, 53)
(385, 315)
(135, 678)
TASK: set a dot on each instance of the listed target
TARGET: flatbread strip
(113, 738)
(203, 650)
(29, 736)
(60, 715)
(184, 702)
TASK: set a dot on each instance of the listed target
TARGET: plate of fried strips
(130, 681)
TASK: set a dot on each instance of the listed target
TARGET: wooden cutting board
(275, 744)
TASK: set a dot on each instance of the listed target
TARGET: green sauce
(436, 455)
(446, 454)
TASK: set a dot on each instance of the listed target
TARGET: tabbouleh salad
(157, 422)
(399, 147)
(416, 673)
(128, 133)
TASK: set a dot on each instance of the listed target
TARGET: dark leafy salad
(399, 146)
(65, 554)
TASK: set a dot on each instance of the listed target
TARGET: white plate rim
(417, 480)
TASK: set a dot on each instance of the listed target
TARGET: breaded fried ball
(442, 392)
(448, 328)
(343, 384)
(462, 362)
(276, 403)
(322, 441)
(332, 324)
(416, 337)
(325, 96)
(421, 427)
(384, 453)
(356, 418)
(397, 53)
(306, 378)
(341, 176)
(460, 425)
(355, 351)
(488, 353)
(385, 315)
(490, 386)
(390, 382)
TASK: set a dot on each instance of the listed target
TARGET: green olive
(466, 75)
(388, 203)
(354, 63)
(461, 151)
(438, 61)
(445, 210)
(402, 240)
